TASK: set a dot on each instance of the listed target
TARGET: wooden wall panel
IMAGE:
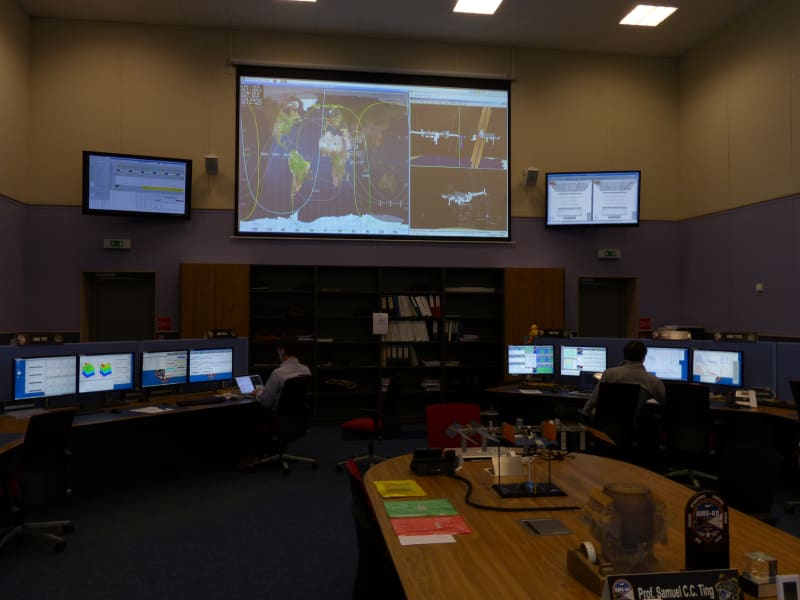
(533, 296)
(232, 305)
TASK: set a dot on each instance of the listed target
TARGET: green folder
(419, 508)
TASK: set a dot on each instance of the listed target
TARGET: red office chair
(438, 417)
(378, 423)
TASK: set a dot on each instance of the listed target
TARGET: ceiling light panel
(647, 15)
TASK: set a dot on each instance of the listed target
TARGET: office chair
(615, 417)
(289, 423)
(376, 576)
(688, 430)
(748, 477)
(40, 476)
(791, 505)
(438, 417)
(378, 423)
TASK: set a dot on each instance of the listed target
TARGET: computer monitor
(210, 364)
(718, 367)
(44, 377)
(105, 372)
(670, 364)
(166, 367)
(575, 359)
(530, 360)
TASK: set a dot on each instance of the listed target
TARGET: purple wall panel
(12, 253)
(726, 254)
(63, 243)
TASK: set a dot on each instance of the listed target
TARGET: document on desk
(444, 525)
(399, 488)
(416, 540)
(419, 508)
(149, 410)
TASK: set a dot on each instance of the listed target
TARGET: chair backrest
(438, 417)
(748, 477)
(293, 413)
(687, 417)
(47, 437)
(616, 411)
(42, 471)
(795, 387)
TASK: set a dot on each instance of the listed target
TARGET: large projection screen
(332, 154)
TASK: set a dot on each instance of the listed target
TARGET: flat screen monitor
(530, 360)
(719, 367)
(131, 184)
(593, 198)
(210, 364)
(44, 377)
(164, 367)
(105, 372)
(670, 364)
(575, 359)
(367, 155)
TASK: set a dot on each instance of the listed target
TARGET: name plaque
(718, 584)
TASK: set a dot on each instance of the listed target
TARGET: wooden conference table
(502, 558)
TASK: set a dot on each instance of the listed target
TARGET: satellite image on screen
(345, 158)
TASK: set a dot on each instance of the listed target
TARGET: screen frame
(79, 360)
(534, 346)
(87, 209)
(27, 359)
(196, 351)
(561, 359)
(721, 384)
(592, 224)
(142, 355)
(380, 78)
(687, 361)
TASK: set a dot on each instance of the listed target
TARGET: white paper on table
(414, 540)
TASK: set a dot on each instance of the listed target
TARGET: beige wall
(739, 112)
(14, 99)
(170, 91)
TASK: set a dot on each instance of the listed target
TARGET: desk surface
(501, 558)
(13, 426)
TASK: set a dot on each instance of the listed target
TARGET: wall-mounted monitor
(718, 367)
(210, 364)
(593, 198)
(367, 155)
(130, 184)
(161, 368)
(530, 360)
(670, 364)
(105, 372)
(44, 377)
(575, 359)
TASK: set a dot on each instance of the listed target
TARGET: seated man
(290, 366)
(631, 371)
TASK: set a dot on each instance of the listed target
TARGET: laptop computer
(248, 384)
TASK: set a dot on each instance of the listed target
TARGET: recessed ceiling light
(647, 15)
(477, 7)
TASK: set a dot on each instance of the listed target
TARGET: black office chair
(379, 422)
(748, 477)
(688, 431)
(289, 423)
(376, 576)
(615, 418)
(40, 476)
(792, 505)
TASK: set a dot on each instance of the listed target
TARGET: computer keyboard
(201, 401)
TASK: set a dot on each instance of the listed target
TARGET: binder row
(408, 305)
(399, 355)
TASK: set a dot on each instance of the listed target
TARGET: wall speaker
(212, 164)
(531, 175)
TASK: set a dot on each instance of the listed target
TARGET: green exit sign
(609, 253)
(117, 244)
